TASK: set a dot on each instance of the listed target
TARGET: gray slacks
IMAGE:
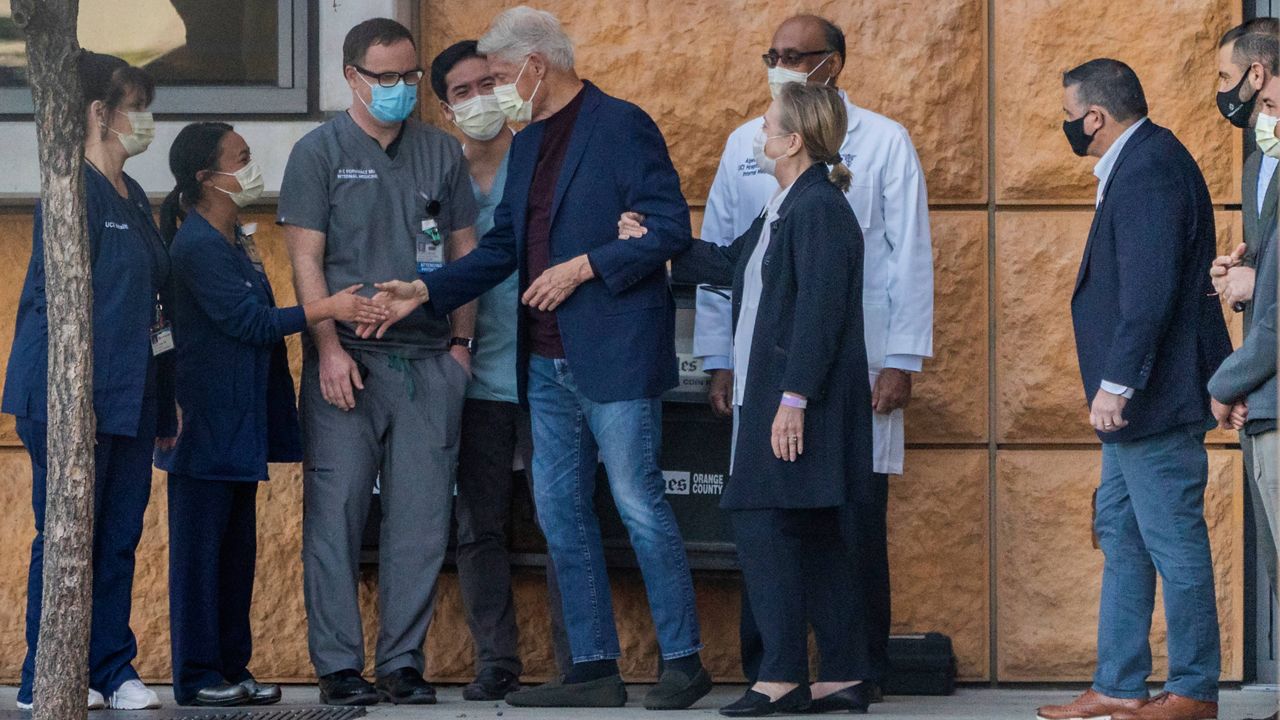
(403, 431)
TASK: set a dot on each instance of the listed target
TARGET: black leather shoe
(261, 693)
(603, 692)
(492, 683)
(406, 687)
(854, 700)
(677, 691)
(223, 695)
(346, 687)
(754, 704)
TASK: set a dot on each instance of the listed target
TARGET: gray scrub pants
(404, 429)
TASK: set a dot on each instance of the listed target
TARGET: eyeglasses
(789, 57)
(391, 78)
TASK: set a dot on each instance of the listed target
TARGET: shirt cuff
(1121, 390)
(906, 363)
(717, 362)
(292, 320)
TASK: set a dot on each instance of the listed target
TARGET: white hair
(522, 31)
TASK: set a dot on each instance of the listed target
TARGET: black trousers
(865, 529)
(796, 573)
(492, 432)
(212, 552)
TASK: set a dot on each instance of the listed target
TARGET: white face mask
(779, 76)
(1264, 134)
(516, 108)
(143, 131)
(766, 164)
(251, 184)
(480, 118)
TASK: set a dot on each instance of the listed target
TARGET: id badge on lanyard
(161, 332)
(430, 247)
(250, 247)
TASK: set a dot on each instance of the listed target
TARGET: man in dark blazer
(595, 345)
(1148, 335)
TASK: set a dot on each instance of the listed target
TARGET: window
(223, 57)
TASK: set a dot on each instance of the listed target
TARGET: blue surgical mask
(391, 104)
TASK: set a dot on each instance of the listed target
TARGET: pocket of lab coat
(862, 198)
(875, 318)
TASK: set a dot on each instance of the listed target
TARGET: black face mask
(1074, 130)
(1233, 108)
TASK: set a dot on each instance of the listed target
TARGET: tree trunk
(62, 666)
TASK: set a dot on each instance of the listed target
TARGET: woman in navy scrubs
(237, 407)
(130, 268)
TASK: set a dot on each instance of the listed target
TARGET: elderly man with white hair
(596, 344)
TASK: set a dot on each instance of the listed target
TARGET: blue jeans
(570, 432)
(1149, 519)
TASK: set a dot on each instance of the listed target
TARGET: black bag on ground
(921, 665)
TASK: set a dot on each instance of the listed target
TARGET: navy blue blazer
(618, 329)
(233, 383)
(129, 266)
(1142, 308)
(808, 339)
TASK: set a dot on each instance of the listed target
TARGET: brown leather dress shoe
(1167, 706)
(1090, 706)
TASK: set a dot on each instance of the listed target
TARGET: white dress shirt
(1103, 172)
(889, 198)
(752, 287)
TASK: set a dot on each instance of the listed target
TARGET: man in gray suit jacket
(1248, 62)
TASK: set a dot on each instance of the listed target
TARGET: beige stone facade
(990, 525)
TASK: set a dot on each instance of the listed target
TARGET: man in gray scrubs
(373, 194)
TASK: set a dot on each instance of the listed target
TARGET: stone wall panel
(949, 399)
(1037, 40)
(695, 67)
(939, 549)
(1039, 398)
(1048, 576)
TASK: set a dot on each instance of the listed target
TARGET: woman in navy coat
(237, 410)
(802, 445)
(130, 269)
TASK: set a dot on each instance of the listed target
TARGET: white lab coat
(889, 198)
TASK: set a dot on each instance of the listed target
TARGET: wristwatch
(468, 343)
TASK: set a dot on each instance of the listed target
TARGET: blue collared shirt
(1103, 169)
(1103, 172)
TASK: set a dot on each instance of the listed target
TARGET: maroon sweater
(544, 333)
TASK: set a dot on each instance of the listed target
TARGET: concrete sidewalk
(966, 704)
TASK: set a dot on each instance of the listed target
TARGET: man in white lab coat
(889, 199)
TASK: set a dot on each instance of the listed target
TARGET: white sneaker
(96, 701)
(133, 695)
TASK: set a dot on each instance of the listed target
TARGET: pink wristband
(795, 402)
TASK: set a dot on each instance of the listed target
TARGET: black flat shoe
(224, 695)
(855, 699)
(492, 683)
(406, 687)
(346, 687)
(754, 704)
(261, 693)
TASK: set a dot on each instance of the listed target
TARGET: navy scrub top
(233, 384)
(130, 270)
